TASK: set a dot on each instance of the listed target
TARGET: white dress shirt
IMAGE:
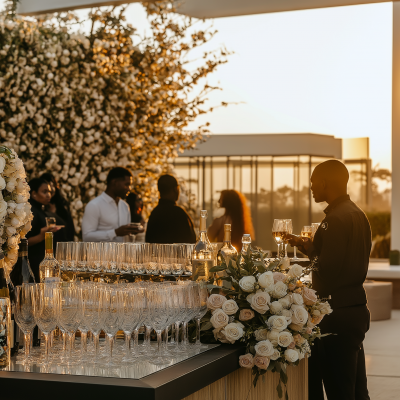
(102, 216)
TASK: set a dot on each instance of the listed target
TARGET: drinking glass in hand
(306, 232)
(50, 221)
(278, 233)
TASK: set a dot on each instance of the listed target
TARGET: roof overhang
(195, 8)
(268, 145)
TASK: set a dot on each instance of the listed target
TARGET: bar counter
(211, 375)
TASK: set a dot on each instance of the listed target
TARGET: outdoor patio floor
(382, 353)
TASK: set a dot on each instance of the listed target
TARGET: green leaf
(279, 390)
(206, 326)
(244, 272)
(218, 268)
(283, 376)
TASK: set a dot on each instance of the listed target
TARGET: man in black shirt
(169, 223)
(341, 249)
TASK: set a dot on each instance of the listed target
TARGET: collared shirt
(102, 216)
(342, 244)
(169, 223)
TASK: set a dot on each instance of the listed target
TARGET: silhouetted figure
(342, 244)
(59, 207)
(169, 223)
(237, 214)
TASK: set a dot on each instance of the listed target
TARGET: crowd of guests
(116, 215)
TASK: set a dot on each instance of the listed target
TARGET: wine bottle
(49, 268)
(202, 256)
(227, 251)
(22, 273)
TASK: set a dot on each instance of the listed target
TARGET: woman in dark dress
(59, 207)
(40, 197)
(136, 206)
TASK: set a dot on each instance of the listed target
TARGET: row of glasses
(125, 258)
(97, 307)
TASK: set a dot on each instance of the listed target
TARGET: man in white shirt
(107, 218)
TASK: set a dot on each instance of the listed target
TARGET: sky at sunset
(321, 71)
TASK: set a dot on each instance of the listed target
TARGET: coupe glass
(24, 315)
(45, 311)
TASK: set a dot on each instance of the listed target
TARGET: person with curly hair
(237, 213)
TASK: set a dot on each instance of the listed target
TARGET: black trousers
(338, 360)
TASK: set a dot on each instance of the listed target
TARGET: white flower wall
(77, 105)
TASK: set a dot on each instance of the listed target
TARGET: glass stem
(127, 344)
(147, 336)
(285, 249)
(27, 344)
(198, 331)
(111, 343)
(70, 347)
(177, 332)
(84, 344)
(96, 339)
(46, 347)
(294, 252)
(184, 338)
(159, 342)
(135, 341)
(172, 341)
(64, 335)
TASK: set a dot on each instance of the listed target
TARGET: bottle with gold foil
(227, 251)
(202, 256)
(49, 268)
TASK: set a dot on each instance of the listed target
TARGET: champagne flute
(201, 298)
(278, 233)
(288, 229)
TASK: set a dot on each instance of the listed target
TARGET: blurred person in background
(237, 213)
(40, 192)
(168, 222)
(135, 203)
(59, 207)
(107, 218)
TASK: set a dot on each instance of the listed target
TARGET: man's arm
(90, 224)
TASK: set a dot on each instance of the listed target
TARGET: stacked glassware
(68, 307)
(125, 258)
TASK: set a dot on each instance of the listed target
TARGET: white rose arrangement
(15, 211)
(270, 308)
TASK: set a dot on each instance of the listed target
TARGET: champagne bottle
(22, 273)
(227, 251)
(202, 256)
(4, 286)
(49, 268)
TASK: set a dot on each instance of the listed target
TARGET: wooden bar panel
(238, 384)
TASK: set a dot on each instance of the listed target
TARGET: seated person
(107, 218)
(169, 223)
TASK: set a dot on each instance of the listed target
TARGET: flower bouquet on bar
(268, 306)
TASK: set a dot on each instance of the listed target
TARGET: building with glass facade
(273, 172)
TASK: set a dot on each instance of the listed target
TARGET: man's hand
(302, 243)
(125, 230)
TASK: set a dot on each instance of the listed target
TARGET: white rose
(301, 354)
(288, 315)
(300, 315)
(215, 301)
(264, 348)
(276, 307)
(284, 339)
(316, 313)
(11, 185)
(2, 183)
(261, 334)
(2, 164)
(11, 230)
(325, 308)
(295, 271)
(21, 199)
(20, 214)
(260, 302)
(15, 222)
(247, 283)
(230, 307)
(291, 355)
(272, 336)
(233, 332)
(3, 206)
(276, 355)
(278, 323)
(12, 241)
(218, 335)
(280, 290)
(219, 319)
(266, 280)
(285, 301)
(297, 299)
